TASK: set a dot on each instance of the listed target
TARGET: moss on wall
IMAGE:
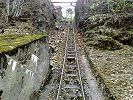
(11, 41)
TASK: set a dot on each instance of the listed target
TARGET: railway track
(70, 86)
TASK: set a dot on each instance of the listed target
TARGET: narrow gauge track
(70, 86)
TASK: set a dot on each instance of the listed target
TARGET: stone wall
(22, 70)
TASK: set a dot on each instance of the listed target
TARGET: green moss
(11, 41)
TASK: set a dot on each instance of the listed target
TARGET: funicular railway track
(70, 86)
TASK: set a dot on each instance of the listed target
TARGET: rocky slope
(34, 16)
(108, 34)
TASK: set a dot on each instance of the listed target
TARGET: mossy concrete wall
(23, 69)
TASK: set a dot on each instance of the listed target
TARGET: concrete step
(71, 75)
(70, 58)
(71, 87)
(71, 52)
(71, 55)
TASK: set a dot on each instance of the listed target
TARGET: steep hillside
(107, 31)
(30, 16)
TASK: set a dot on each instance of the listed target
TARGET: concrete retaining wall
(23, 70)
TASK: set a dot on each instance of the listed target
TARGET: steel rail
(64, 59)
(80, 77)
(77, 64)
